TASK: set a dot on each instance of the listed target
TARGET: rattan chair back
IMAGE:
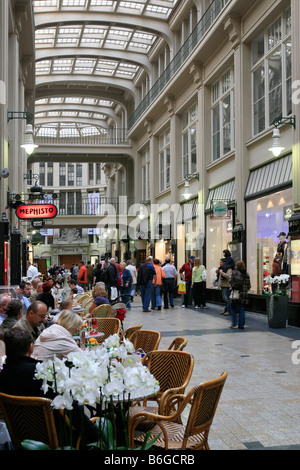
(127, 334)
(172, 369)
(147, 340)
(108, 326)
(86, 299)
(29, 418)
(178, 344)
(102, 311)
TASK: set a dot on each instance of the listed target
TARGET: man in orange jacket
(82, 276)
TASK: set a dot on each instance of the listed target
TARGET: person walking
(111, 277)
(169, 282)
(124, 284)
(90, 269)
(82, 276)
(186, 275)
(132, 269)
(157, 285)
(224, 284)
(145, 280)
(198, 283)
(240, 281)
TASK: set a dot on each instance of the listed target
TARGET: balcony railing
(186, 49)
(92, 205)
(116, 136)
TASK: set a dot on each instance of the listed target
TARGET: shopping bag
(113, 293)
(182, 287)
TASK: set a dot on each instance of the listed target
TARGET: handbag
(182, 287)
(204, 275)
(234, 294)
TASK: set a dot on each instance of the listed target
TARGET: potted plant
(277, 300)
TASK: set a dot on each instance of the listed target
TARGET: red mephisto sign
(36, 211)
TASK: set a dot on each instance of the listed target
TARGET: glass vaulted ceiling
(86, 45)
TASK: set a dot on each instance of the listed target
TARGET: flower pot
(277, 310)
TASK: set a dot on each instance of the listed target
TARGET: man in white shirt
(130, 266)
(32, 271)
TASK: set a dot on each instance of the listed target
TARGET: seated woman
(64, 305)
(58, 338)
(100, 297)
(46, 295)
(14, 312)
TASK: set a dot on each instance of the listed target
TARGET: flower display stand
(277, 310)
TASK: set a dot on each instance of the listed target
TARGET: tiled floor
(260, 404)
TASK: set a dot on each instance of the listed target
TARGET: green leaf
(34, 445)
(106, 432)
(147, 445)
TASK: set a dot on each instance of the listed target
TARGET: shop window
(218, 237)
(271, 73)
(267, 217)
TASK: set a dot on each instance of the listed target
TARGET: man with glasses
(33, 321)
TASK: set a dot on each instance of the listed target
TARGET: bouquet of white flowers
(93, 376)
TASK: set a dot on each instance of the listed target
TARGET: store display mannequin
(282, 247)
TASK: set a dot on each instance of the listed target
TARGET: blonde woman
(100, 297)
(58, 338)
(198, 283)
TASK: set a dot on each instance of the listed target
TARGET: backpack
(237, 280)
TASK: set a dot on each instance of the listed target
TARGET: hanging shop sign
(220, 209)
(36, 211)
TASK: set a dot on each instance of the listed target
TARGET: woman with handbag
(240, 285)
(198, 283)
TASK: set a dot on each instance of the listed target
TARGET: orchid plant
(97, 377)
(281, 281)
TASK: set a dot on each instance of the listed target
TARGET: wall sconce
(276, 148)
(29, 145)
(187, 191)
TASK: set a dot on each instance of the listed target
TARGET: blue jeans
(146, 294)
(156, 296)
(238, 309)
(125, 293)
(168, 292)
(226, 299)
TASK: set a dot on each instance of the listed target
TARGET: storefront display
(267, 226)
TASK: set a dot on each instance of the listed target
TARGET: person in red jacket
(186, 275)
(82, 276)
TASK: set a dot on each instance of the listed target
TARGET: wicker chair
(130, 331)
(85, 300)
(178, 344)
(203, 399)
(173, 370)
(29, 418)
(102, 311)
(147, 340)
(108, 326)
(87, 306)
(80, 297)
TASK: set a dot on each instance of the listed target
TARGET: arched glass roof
(89, 54)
